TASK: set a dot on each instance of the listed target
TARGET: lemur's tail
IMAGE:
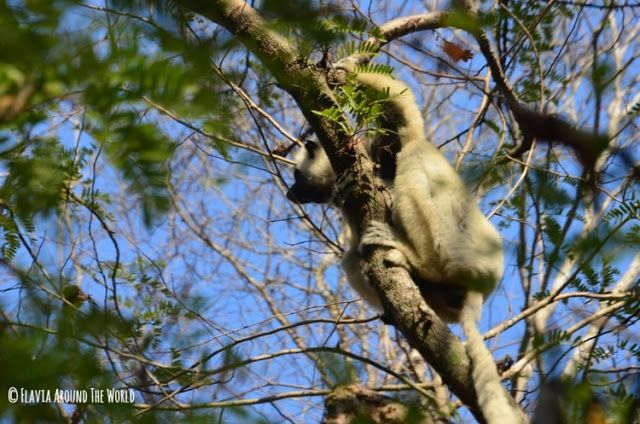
(492, 397)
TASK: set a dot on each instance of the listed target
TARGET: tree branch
(533, 124)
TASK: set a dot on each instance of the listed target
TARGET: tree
(144, 153)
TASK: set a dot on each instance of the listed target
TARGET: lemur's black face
(304, 190)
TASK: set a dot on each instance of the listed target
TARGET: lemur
(314, 183)
(437, 231)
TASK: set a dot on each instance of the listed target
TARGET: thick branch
(533, 124)
(407, 24)
(424, 330)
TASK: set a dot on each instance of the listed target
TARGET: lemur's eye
(311, 147)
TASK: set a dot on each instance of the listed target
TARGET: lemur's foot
(380, 233)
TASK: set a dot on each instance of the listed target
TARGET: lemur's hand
(340, 71)
(343, 187)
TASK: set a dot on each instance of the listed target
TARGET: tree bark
(346, 403)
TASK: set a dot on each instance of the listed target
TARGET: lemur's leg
(351, 264)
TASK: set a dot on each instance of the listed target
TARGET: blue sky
(249, 217)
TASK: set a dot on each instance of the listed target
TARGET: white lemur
(438, 233)
(314, 183)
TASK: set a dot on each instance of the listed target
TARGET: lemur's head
(313, 174)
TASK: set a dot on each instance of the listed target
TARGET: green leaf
(140, 152)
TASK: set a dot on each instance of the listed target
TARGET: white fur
(442, 235)
(318, 170)
(493, 399)
(357, 280)
(441, 231)
(438, 225)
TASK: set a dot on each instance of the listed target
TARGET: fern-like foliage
(375, 68)
(352, 48)
(623, 213)
(364, 108)
(339, 24)
(9, 238)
